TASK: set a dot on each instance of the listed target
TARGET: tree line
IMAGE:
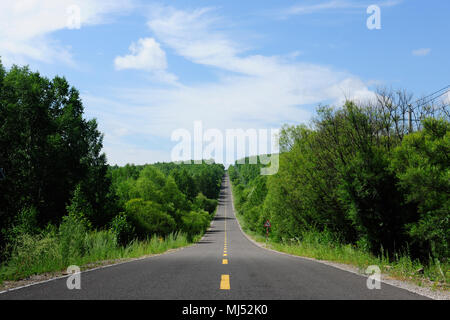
(364, 174)
(56, 185)
(165, 197)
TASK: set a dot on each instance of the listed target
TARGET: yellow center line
(225, 282)
(225, 279)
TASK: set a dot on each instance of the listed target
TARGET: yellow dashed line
(225, 282)
(225, 279)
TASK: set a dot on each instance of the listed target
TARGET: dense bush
(195, 222)
(203, 203)
(72, 233)
(122, 228)
(148, 218)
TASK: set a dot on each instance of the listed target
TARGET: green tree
(195, 222)
(47, 148)
(148, 218)
(422, 165)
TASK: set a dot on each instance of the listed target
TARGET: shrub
(203, 203)
(32, 254)
(195, 222)
(148, 218)
(122, 228)
(72, 232)
(26, 223)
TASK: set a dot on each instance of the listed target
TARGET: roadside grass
(321, 246)
(42, 254)
(53, 252)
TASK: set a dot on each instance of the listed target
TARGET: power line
(434, 98)
(447, 89)
(441, 92)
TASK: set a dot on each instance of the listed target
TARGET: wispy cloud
(251, 91)
(311, 7)
(26, 26)
(421, 52)
(191, 34)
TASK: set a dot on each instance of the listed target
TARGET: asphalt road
(198, 272)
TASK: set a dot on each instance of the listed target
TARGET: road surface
(223, 265)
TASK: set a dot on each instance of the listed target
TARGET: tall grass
(47, 253)
(72, 243)
(323, 246)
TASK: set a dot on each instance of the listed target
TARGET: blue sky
(146, 68)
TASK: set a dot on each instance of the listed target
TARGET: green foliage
(167, 191)
(203, 203)
(122, 228)
(61, 203)
(185, 183)
(173, 200)
(355, 174)
(148, 218)
(79, 204)
(195, 222)
(46, 150)
(422, 166)
(31, 254)
(72, 233)
(26, 223)
(42, 253)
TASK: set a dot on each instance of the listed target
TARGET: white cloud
(26, 26)
(421, 52)
(146, 55)
(195, 36)
(190, 35)
(251, 91)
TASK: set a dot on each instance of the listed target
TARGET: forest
(62, 204)
(371, 177)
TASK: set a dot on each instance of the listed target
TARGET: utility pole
(410, 118)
